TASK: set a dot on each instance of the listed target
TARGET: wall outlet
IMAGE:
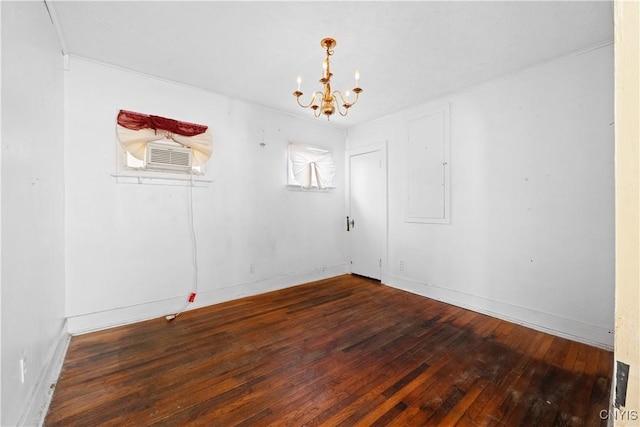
(401, 265)
(252, 269)
(23, 369)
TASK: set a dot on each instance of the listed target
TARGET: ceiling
(407, 52)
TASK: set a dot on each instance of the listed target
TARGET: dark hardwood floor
(343, 351)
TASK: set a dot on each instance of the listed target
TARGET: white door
(367, 211)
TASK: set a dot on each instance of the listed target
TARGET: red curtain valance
(138, 121)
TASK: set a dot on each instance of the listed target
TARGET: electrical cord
(194, 247)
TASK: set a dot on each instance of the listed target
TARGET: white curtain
(312, 166)
(135, 142)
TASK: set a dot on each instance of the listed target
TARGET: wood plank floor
(343, 351)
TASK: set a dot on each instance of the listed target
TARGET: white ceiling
(407, 52)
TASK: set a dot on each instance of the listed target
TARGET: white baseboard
(38, 404)
(576, 330)
(124, 315)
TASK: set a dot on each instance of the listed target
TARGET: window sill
(309, 190)
(160, 178)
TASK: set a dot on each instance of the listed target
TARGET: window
(161, 144)
(310, 167)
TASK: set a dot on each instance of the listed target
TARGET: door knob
(350, 224)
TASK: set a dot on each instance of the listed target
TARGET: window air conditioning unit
(163, 156)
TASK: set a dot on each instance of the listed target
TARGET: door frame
(384, 231)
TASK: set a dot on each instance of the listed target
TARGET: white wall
(531, 237)
(33, 324)
(128, 246)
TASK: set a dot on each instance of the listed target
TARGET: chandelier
(327, 102)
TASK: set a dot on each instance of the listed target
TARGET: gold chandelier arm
(345, 104)
(357, 91)
(298, 94)
(337, 94)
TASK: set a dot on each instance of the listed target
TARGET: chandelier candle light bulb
(325, 101)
